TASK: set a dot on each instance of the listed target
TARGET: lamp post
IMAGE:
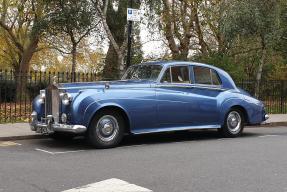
(130, 26)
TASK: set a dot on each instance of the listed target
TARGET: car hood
(120, 84)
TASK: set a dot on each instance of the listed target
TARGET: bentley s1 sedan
(151, 97)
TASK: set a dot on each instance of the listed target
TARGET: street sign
(133, 14)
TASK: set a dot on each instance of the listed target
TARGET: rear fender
(228, 104)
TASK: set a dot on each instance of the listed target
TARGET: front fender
(98, 105)
(38, 107)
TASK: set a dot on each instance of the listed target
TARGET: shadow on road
(182, 136)
(79, 143)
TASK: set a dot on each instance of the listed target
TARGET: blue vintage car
(151, 97)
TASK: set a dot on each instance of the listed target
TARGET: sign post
(132, 15)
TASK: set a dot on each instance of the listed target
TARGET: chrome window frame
(192, 84)
(164, 69)
(210, 73)
(156, 80)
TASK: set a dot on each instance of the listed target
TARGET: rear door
(206, 91)
(188, 96)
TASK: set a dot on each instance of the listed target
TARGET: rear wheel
(234, 123)
(106, 129)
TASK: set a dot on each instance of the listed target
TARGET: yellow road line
(8, 144)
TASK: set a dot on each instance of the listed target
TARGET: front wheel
(106, 129)
(234, 123)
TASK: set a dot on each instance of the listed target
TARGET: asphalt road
(197, 161)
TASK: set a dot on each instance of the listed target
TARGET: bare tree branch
(11, 35)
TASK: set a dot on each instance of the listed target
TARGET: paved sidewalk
(18, 131)
(277, 118)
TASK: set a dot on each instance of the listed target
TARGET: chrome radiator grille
(52, 102)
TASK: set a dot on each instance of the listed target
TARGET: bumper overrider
(48, 126)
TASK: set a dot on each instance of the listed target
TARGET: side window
(176, 74)
(180, 74)
(204, 75)
(215, 78)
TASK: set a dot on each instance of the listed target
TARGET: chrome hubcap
(234, 122)
(107, 128)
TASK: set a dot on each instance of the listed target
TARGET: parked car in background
(151, 97)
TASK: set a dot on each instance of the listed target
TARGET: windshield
(142, 72)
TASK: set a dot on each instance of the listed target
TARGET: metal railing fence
(273, 93)
(18, 91)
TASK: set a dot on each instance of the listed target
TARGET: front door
(174, 97)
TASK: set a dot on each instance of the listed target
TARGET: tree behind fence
(15, 105)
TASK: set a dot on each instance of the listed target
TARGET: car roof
(227, 80)
(174, 62)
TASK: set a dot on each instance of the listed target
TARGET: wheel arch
(237, 103)
(113, 108)
(243, 111)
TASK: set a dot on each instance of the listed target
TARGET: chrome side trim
(198, 86)
(145, 131)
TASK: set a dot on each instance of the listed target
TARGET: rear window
(205, 75)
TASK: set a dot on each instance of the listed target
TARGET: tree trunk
(111, 64)
(27, 56)
(180, 56)
(21, 74)
(122, 65)
(260, 69)
(74, 61)
(202, 43)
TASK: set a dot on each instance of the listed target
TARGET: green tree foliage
(22, 25)
(113, 16)
(136, 51)
(74, 19)
(247, 38)
(117, 22)
(256, 19)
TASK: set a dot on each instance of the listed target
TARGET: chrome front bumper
(48, 129)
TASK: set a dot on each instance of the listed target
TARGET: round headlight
(42, 96)
(66, 98)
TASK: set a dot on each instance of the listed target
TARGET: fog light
(34, 116)
(64, 118)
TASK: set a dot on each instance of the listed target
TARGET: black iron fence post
(282, 97)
